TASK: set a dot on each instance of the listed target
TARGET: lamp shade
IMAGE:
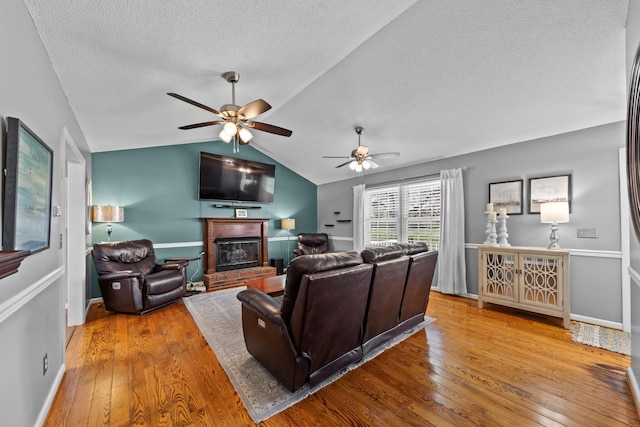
(288, 223)
(554, 212)
(107, 214)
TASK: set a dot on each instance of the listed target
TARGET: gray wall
(32, 301)
(590, 156)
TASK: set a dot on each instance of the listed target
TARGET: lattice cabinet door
(541, 281)
(525, 278)
(500, 271)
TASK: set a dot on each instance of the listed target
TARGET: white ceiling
(430, 79)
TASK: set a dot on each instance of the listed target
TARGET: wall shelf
(344, 220)
(237, 206)
(329, 225)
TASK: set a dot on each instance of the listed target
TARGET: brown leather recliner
(130, 279)
(317, 330)
(312, 243)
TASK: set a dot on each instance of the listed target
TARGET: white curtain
(358, 217)
(451, 269)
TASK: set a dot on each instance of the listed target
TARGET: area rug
(218, 315)
(605, 338)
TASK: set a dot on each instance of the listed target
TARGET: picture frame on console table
(507, 195)
(549, 189)
(27, 190)
(242, 213)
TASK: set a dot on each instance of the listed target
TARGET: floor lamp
(107, 214)
(288, 224)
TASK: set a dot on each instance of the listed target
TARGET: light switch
(589, 233)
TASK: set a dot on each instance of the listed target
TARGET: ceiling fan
(236, 120)
(360, 158)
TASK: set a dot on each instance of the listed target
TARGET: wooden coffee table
(273, 285)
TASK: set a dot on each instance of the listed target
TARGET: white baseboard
(50, 396)
(633, 383)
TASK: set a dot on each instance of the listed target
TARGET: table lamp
(554, 213)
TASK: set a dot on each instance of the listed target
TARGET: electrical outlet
(589, 233)
(45, 364)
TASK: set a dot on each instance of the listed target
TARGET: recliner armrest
(119, 275)
(262, 304)
(170, 266)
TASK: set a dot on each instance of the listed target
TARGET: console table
(525, 278)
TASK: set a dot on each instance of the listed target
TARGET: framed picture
(241, 213)
(507, 195)
(27, 190)
(549, 189)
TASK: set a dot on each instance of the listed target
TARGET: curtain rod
(430, 175)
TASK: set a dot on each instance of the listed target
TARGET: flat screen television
(239, 180)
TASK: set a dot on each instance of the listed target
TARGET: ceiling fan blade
(385, 155)
(254, 108)
(192, 102)
(200, 125)
(343, 164)
(337, 157)
(269, 128)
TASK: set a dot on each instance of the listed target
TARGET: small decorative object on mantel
(490, 230)
(241, 213)
(502, 229)
(10, 261)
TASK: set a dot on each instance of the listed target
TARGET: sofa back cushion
(307, 264)
(418, 286)
(134, 255)
(326, 322)
(382, 253)
(414, 248)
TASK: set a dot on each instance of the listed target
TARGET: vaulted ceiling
(429, 79)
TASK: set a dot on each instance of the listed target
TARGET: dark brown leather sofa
(335, 307)
(131, 280)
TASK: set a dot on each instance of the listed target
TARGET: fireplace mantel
(215, 228)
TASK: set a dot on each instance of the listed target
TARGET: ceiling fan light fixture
(230, 129)
(224, 136)
(244, 134)
(366, 164)
(353, 165)
(358, 168)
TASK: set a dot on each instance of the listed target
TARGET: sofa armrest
(263, 304)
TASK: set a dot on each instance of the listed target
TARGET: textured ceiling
(428, 79)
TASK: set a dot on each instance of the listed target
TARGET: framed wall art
(27, 190)
(507, 195)
(549, 189)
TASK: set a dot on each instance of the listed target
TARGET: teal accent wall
(158, 188)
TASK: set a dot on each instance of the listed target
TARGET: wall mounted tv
(231, 179)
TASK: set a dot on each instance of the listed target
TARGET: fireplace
(237, 252)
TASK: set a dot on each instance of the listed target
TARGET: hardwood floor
(474, 367)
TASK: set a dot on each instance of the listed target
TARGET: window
(406, 212)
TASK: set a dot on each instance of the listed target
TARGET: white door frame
(625, 242)
(75, 226)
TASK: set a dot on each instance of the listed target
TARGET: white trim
(633, 383)
(595, 321)
(634, 275)
(19, 300)
(176, 245)
(625, 240)
(42, 416)
(344, 239)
